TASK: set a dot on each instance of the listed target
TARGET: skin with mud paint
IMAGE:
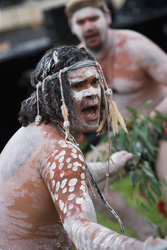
(44, 200)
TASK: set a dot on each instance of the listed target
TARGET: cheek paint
(79, 95)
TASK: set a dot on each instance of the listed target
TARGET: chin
(90, 128)
(95, 48)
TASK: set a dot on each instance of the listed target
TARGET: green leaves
(142, 140)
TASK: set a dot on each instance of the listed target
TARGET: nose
(88, 26)
(91, 91)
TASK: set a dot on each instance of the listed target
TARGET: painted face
(90, 26)
(87, 98)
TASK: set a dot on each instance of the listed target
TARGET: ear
(71, 26)
(108, 17)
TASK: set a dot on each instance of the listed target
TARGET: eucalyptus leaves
(142, 140)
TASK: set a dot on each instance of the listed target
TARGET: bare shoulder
(127, 34)
(136, 44)
(81, 45)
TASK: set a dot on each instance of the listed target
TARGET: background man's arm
(154, 63)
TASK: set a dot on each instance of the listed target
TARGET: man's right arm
(65, 178)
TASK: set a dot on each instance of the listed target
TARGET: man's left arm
(154, 63)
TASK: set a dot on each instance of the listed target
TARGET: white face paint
(85, 73)
(90, 25)
(87, 99)
(87, 92)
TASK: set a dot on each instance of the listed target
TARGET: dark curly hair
(50, 99)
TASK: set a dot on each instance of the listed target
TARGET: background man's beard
(96, 48)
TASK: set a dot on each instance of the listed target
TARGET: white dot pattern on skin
(53, 184)
(83, 176)
(77, 164)
(62, 144)
(74, 150)
(61, 159)
(83, 183)
(71, 189)
(83, 188)
(62, 174)
(54, 152)
(64, 190)
(68, 160)
(57, 186)
(75, 168)
(69, 165)
(74, 155)
(65, 210)
(71, 197)
(56, 197)
(71, 206)
(48, 164)
(63, 183)
(79, 200)
(53, 166)
(65, 161)
(51, 174)
(61, 205)
(81, 158)
(57, 157)
(63, 152)
(61, 165)
(72, 182)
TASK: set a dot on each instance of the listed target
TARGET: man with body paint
(44, 200)
(135, 69)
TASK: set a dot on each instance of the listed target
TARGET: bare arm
(117, 162)
(64, 176)
(154, 63)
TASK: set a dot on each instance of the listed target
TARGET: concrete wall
(28, 14)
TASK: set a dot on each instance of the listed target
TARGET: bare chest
(123, 74)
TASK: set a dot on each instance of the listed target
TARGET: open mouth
(91, 112)
(91, 37)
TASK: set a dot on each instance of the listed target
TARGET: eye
(80, 22)
(75, 86)
(95, 82)
(94, 18)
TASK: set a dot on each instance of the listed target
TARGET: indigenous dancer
(43, 175)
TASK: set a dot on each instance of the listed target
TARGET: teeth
(90, 115)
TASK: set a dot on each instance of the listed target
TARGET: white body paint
(79, 95)
(88, 11)
(86, 72)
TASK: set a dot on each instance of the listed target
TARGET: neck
(76, 135)
(104, 50)
(73, 137)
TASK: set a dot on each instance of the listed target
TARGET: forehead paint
(82, 74)
(79, 95)
(100, 26)
(87, 12)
